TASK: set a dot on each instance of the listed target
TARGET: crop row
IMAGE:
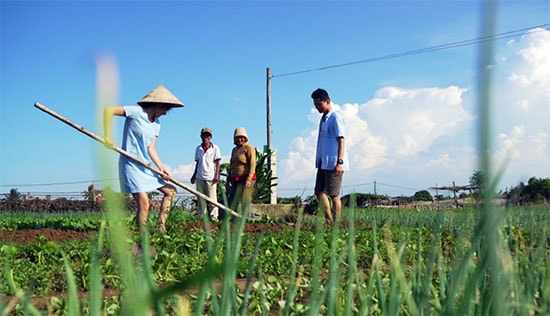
(376, 261)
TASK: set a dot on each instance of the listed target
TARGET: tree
(476, 180)
(361, 199)
(537, 190)
(264, 179)
(13, 200)
(423, 195)
(13, 196)
(296, 200)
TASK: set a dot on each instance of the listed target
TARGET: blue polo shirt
(331, 127)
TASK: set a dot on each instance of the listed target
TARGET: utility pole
(272, 153)
(268, 107)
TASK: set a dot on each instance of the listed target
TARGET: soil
(26, 236)
(29, 236)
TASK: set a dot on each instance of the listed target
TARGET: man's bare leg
(324, 202)
(336, 208)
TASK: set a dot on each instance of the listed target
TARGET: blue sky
(411, 121)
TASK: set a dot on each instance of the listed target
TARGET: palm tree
(13, 196)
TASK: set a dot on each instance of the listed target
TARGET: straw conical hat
(161, 95)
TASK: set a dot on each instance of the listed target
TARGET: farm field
(376, 262)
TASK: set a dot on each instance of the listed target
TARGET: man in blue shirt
(331, 157)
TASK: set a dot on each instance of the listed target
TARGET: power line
(355, 186)
(184, 194)
(504, 35)
(54, 183)
(103, 180)
(399, 187)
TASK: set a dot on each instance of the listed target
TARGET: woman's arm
(152, 151)
(252, 165)
(108, 114)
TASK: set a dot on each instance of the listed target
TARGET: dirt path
(27, 236)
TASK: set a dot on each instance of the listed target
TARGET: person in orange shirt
(242, 173)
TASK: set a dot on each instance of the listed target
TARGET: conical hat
(161, 95)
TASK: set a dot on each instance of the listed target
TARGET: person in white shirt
(207, 173)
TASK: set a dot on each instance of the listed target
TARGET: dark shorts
(327, 181)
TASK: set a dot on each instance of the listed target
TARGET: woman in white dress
(141, 129)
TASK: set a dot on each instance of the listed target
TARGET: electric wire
(54, 183)
(70, 194)
(504, 35)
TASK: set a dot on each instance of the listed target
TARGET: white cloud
(182, 172)
(536, 65)
(412, 119)
(507, 146)
(442, 160)
(522, 109)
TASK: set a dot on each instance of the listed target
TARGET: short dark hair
(156, 104)
(320, 94)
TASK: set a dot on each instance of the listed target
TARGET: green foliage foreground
(377, 262)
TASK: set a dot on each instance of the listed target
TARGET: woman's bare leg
(168, 192)
(142, 201)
